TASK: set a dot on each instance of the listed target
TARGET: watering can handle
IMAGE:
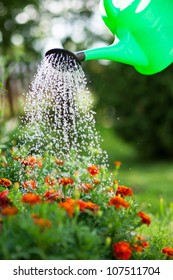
(110, 9)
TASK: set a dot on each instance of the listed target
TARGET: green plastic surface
(143, 31)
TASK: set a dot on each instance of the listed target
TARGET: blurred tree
(17, 20)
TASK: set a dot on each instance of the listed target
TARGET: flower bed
(56, 209)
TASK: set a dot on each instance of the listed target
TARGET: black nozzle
(58, 56)
(80, 55)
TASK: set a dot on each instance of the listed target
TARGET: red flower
(145, 219)
(93, 170)
(5, 182)
(168, 251)
(52, 195)
(4, 200)
(118, 201)
(122, 250)
(66, 181)
(124, 191)
(31, 198)
(29, 184)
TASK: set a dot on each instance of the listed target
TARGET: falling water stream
(58, 113)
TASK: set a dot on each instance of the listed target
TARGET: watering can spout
(125, 51)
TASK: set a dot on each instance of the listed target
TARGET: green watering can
(143, 31)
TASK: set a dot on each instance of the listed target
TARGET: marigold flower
(59, 161)
(69, 205)
(122, 250)
(49, 181)
(52, 195)
(141, 244)
(9, 211)
(124, 191)
(168, 251)
(145, 219)
(5, 182)
(31, 161)
(29, 184)
(31, 198)
(93, 170)
(66, 181)
(91, 206)
(118, 201)
(4, 200)
(86, 187)
(42, 222)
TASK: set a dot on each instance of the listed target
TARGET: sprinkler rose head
(61, 56)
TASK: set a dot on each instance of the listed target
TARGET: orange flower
(91, 206)
(93, 170)
(5, 182)
(66, 181)
(69, 205)
(168, 251)
(49, 181)
(29, 184)
(124, 191)
(31, 161)
(31, 198)
(122, 250)
(140, 244)
(59, 161)
(145, 219)
(118, 201)
(52, 195)
(9, 211)
(42, 222)
(86, 187)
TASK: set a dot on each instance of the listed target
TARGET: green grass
(151, 181)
